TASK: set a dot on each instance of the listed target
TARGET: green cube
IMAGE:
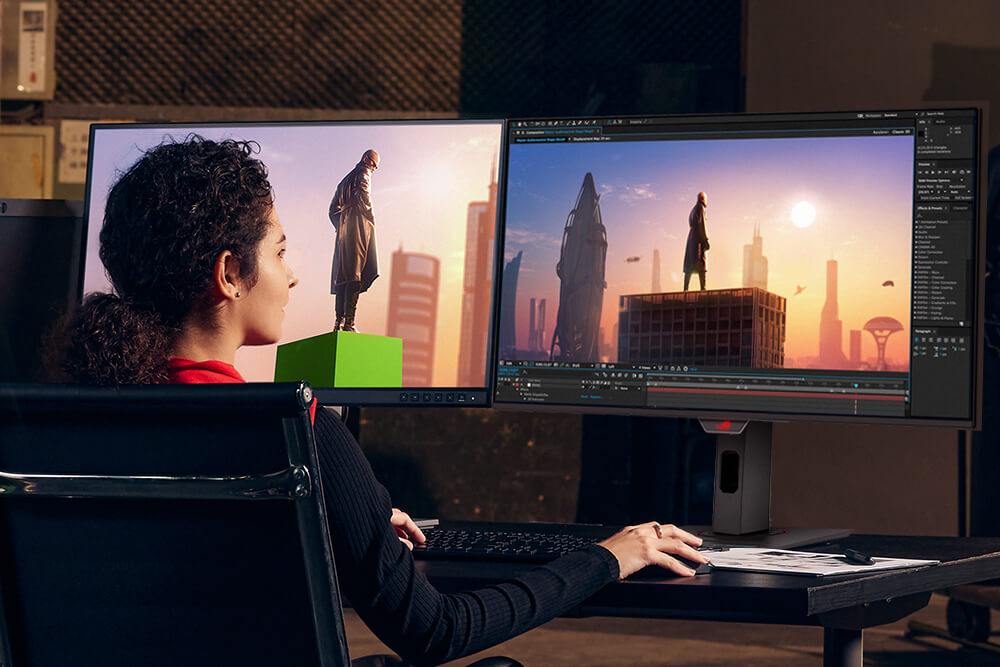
(342, 359)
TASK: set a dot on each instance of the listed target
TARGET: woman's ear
(226, 276)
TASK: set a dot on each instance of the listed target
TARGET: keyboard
(509, 545)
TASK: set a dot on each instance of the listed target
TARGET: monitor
(424, 324)
(745, 268)
(40, 241)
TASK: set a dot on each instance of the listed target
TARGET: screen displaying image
(432, 199)
(820, 264)
(822, 223)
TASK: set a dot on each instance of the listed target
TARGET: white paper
(74, 137)
(31, 47)
(780, 561)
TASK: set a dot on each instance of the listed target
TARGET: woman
(196, 255)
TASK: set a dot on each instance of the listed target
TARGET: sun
(803, 214)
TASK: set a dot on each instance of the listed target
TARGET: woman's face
(263, 307)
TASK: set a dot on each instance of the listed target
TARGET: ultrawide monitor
(425, 322)
(795, 266)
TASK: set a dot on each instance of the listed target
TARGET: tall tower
(656, 271)
(477, 286)
(881, 328)
(536, 325)
(532, 331)
(581, 271)
(414, 283)
(754, 262)
(508, 309)
(831, 351)
(541, 324)
(855, 348)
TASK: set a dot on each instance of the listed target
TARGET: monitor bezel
(973, 422)
(345, 396)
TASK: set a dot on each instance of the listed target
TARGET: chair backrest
(164, 525)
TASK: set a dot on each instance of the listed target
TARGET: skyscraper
(536, 325)
(831, 350)
(855, 348)
(508, 308)
(477, 286)
(754, 262)
(540, 326)
(748, 331)
(532, 332)
(414, 283)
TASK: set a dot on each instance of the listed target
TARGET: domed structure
(881, 328)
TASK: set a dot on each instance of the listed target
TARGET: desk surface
(845, 602)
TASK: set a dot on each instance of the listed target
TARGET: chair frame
(297, 483)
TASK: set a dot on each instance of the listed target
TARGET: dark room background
(326, 59)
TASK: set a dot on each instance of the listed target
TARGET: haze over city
(813, 199)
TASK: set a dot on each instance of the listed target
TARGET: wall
(873, 479)
(808, 56)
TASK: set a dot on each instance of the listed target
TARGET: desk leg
(842, 648)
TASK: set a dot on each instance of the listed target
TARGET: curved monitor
(764, 267)
(424, 324)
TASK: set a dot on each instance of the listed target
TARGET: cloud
(528, 237)
(635, 193)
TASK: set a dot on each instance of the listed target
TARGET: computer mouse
(657, 572)
(699, 568)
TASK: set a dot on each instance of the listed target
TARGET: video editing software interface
(796, 264)
(425, 322)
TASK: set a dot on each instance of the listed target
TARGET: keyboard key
(499, 545)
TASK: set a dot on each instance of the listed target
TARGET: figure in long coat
(697, 242)
(355, 259)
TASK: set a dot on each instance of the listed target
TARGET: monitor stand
(741, 508)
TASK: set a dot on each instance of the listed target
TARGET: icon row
(435, 397)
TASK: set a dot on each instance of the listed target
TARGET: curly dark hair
(167, 220)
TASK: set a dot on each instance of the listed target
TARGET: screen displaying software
(433, 198)
(759, 265)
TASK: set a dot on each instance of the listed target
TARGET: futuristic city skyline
(860, 189)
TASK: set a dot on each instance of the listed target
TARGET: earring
(237, 295)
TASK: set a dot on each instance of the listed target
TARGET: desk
(843, 606)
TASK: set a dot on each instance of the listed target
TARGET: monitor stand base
(775, 538)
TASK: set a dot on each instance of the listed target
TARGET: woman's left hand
(407, 531)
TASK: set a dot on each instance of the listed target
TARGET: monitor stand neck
(741, 508)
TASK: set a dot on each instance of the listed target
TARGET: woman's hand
(406, 529)
(635, 547)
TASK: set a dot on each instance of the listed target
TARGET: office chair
(165, 525)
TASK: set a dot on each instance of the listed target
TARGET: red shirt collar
(186, 371)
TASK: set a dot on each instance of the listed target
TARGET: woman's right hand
(635, 547)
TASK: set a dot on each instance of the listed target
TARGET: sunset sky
(428, 175)
(859, 187)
